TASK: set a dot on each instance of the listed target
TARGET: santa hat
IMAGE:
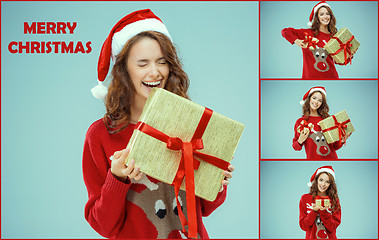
(129, 26)
(327, 169)
(310, 91)
(314, 10)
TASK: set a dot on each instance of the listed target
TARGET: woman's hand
(315, 207)
(228, 175)
(303, 136)
(300, 43)
(344, 138)
(353, 52)
(120, 170)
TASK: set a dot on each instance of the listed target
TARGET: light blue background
(47, 107)
(280, 59)
(283, 183)
(280, 108)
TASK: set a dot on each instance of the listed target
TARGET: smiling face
(323, 183)
(315, 101)
(147, 68)
(323, 16)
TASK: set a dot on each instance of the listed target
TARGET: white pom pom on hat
(328, 169)
(310, 91)
(314, 10)
(129, 26)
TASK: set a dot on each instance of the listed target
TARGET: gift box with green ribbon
(342, 45)
(336, 126)
(185, 144)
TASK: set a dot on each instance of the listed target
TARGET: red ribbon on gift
(308, 40)
(187, 165)
(346, 47)
(323, 198)
(304, 124)
(341, 127)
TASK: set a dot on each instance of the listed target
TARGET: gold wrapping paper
(326, 202)
(179, 117)
(333, 45)
(333, 135)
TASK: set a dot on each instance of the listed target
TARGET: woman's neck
(136, 110)
(321, 194)
(324, 29)
(314, 113)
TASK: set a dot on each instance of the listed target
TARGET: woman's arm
(292, 34)
(299, 138)
(331, 221)
(307, 216)
(337, 145)
(208, 207)
(105, 209)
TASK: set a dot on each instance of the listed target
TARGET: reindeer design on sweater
(158, 202)
(319, 139)
(320, 55)
(321, 230)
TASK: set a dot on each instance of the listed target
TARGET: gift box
(336, 126)
(322, 201)
(310, 42)
(179, 118)
(304, 124)
(342, 45)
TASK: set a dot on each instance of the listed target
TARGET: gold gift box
(179, 117)
(332, 136)
(323, 202)
(333, 45)
(318, 202)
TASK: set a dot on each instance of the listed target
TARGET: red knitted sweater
(317, 64)
(315, 145)
(318, 225)
(135, 209)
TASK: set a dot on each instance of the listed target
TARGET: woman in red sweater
(307, 131)
(320, 209)
(123, 202)
(317, 63)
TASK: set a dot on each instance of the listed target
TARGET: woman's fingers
(231, 168)
(139, 176)
(228, 175)
(225, 182)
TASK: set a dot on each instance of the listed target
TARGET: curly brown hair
(323, 110)
(331, 26)
(331, 191)
(121, 90)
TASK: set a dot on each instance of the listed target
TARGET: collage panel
(54, 130)
(288, 209)
(282, 116)
(284, 23)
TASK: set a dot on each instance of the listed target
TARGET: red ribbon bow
(187, 165)
(309, 40)
(341, 127)
(346, 47)
(304, 124)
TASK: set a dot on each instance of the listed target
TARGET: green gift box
(178, 118)
(335, 126)
(342, 45)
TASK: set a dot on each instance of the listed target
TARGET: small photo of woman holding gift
(320, 42)
(124, 202)
(320, 209)
(308, 132)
